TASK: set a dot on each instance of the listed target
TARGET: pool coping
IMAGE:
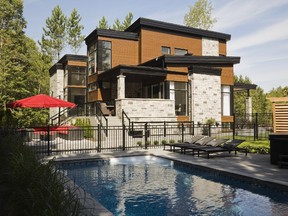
(97, 209)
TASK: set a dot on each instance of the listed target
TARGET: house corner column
(121, 87)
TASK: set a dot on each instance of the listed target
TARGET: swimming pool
(148, 185)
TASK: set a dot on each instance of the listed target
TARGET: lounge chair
(193, 139)
(229, 146)
(199, 144)
(212, 143)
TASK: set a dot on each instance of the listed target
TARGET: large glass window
(76, 76)
(165, 50)
(92, 56)
(226, 100)
(104, 55)
(178, 51)
(155, 91)
(76, 95)
(178, 92)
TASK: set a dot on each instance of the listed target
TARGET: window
(92, 56)
(178, 92)
(92, 87)
(76, 95)
(178, 51)
(76, 76)
(226, 101)
(155, 91)
(104, 55)
(165, 50)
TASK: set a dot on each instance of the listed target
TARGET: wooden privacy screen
(280, 114)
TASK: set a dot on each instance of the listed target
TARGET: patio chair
(192, 140)
(229, 146)
(202, 143)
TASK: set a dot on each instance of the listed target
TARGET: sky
(258, 28)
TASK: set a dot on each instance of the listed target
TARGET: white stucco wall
(141, 109)
(210, 47)
(205, 97)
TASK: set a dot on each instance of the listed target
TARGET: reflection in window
(92, 56)
(155, 91)
(76, 76)
(178, 51)
(104, 55)
(178, 92)
(226, 102)
(165, 50)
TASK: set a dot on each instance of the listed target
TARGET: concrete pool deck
(255, 167)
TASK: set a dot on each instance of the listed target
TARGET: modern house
(155, 71)
(68, 80)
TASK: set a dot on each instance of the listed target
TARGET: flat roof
(111, 33)
(190, 59)
(244, 86)
(144, 22)
(132, 71)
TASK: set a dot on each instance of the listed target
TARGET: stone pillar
(120, 87)
(248, 103)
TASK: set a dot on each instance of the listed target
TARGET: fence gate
(280, 114)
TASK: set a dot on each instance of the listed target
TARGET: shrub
(171, 141)
(30, 187)
(86, 125)
(163, 141)
(156, 142)
(261, 147)
(139, 143)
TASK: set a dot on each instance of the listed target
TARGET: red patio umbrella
(40, 101)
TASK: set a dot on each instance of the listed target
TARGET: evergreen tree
(74, 32)
(54, 37)
(128, 20)
(22, 70)
(259, 100)
(103, 23)
(117, 25)
(200, 15)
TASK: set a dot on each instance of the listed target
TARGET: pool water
(147, 185)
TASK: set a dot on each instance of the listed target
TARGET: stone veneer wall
(139, 109)
(56, 88)
(206, 97)
(210, 47)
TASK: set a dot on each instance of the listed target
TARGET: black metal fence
(53, 140)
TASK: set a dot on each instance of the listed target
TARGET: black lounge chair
(189, 141)
(229, 146)
(210, 144)
(200, 143)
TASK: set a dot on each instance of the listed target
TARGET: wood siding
(123, 51)
(152, 41)
(280, 117)
(183, 118)
(177, 77)
(222, 48)
(227, 119)
(227, 75)
(77, 63)
(92, 78)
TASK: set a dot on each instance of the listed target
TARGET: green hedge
(261, 147)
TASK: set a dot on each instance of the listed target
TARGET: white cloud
(276, 32)
(239, 12)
